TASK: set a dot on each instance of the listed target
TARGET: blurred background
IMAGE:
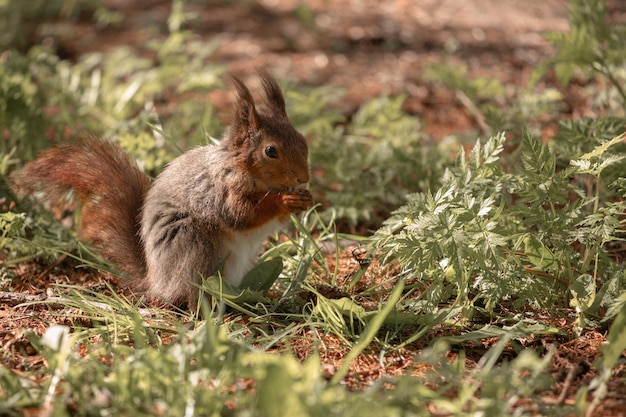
(363, 47)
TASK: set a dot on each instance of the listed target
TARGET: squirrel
(209, 210)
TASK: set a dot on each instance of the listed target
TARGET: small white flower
(56, 337)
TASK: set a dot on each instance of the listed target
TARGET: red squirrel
(209, 210)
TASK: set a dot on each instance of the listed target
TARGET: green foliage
(369, 332)
(488, 236)
(150, 150)
(19, 19)
(208, 370)
(528, 108)
(309, 112)
(367, 167)
(575, 138)
(24, 238)
(611, 352)
(478, 89)
(593, 46)
(116, 94)
(487, 389)
(488, 102)
(11, 224)
(21, 107)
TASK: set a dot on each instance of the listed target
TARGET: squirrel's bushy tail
(108, 184)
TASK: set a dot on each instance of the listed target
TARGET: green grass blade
(369, 333)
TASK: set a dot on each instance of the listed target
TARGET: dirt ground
(365, 47)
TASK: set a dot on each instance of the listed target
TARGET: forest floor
(365, 48)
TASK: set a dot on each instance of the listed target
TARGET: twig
(16, 299)
(566, 384)
(53, 265)
(545, 274)
(474, 111)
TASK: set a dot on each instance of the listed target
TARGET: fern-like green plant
(445, 237)
(523, 234)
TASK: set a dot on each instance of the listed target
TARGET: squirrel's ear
(273, 96)
(245, 113)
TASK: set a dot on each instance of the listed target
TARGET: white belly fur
(242, 249)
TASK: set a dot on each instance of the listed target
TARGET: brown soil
(366, 48)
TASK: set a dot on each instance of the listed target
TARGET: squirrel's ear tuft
(245, 113)
(273, 96)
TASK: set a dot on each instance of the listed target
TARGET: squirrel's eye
(271, 152)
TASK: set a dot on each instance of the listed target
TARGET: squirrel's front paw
(296, 200)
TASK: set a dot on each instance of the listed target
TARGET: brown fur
(210, 208)
(110, 188)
